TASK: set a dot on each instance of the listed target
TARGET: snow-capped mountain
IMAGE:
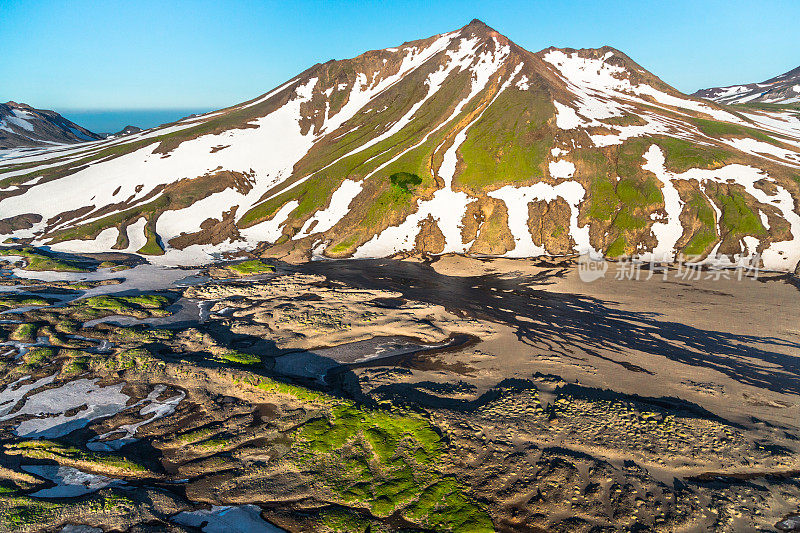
(783, 89)
(21, 125)
(463, 142)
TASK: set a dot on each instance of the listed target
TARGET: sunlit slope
(463, 142)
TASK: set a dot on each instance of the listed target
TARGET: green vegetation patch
(24, 333)
(715, 128)
(706, 236)
(404, 182)
(69, 455)
(37, 356)
(239, 358)
(250, 267)
(140, 334)
(13, 301)
(152, 246)
(38, 261)
(737, 217)
(510, 143)
(386, 461)
(617, 248)
(22, 512)
(141, 306)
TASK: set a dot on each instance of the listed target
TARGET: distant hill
(783, 89)
(22, 125)
(127, 130)
(463, 142)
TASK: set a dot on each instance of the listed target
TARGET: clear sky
(76, 54)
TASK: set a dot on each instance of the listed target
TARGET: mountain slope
(21, 125)
(783, 89)
(463, 142)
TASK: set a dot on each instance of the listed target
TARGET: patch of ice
(70, 482)
(152, 406)
(48, 408)
(227, 519)
(14, 392)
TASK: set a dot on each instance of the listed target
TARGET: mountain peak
(479, 25)
(782, 89)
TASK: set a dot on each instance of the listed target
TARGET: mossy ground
(38, 261)
(250, 267)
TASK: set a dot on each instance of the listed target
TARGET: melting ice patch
(45, 411)
(47, 408)
(14, 392)
(153, 408)
(70, 482)
(227, 519)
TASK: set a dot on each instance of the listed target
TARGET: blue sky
(146, 54)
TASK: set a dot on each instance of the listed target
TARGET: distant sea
(113, 120)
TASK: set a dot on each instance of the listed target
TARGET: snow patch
(338, 208)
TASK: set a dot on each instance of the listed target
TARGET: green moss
(77, 366)
(510, 143)
(625, 220)
(22, 512)
(737, 218)
(249, 267)
(140, 334)
(344, 245)
(153, 245)
(616, 248)
(50, 450)
(381, 460)
(442, 507)
(706, 236)
(603, 199)
(239, 358)
(681, 155)
(141, 306)
(39, 355)
(24, 333)
(38, 261)
(715, 128)
(343, 521)
(13, 301)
